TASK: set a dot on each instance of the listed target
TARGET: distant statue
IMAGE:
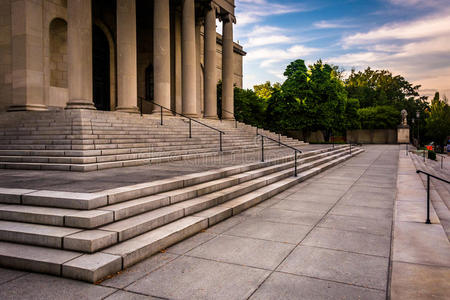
(404, 119)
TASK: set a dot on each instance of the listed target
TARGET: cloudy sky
(407, 37)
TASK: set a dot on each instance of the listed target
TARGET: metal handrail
(184, 116)
(281, 144)
(428, 191)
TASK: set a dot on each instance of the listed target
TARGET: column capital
(213, 6)
(227, 18)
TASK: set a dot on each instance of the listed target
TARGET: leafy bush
(431, 155)
(379, 117)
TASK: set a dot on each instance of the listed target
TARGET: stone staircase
(440, 191)
(88, 236)
(82, 140)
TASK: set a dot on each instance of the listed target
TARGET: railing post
(406, 149)
(279, 140)
(442, 162)
(424, 155)
(262, 148)
(235, 123)
(190, 128)
(256, 130)
(428, 200)
(220, 141)
(350, 149)
(295, 163)
(161, 113)
(142, 104)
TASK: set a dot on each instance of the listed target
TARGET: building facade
(106, 55)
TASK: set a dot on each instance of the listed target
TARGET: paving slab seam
(391, 241)
(318, 222)
(330, 280)
(336, 214)
(12, 279)
(217, 235)
(139, 278)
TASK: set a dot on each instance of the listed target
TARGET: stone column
(198, 68)
(210, 80)
(161, 53)
(189, 58)
(27, 56)
(126, 56)
(79, 51)
(227, 68)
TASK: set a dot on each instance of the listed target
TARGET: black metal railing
(428, 191)
(162, 108)
(281, 144)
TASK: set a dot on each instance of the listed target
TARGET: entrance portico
(117, 51)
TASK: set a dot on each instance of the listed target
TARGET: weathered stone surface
(136, 225)
(286, 286)
(338, 266)
(137, 271)
(88, 219)
(223, 281)
(32, 258)
(38, 235)
(135, 207)
(64, 199)
(146, 244)
(90, 240)
(243, 251)
(349, 241)
(39, 286)
(92, 267)
(34, 214)
(271, 231)
(416, 281)
(13, 196)
(421, 244)
(215, 214)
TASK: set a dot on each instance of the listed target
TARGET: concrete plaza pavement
(326, 238)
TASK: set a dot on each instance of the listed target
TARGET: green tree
(249, 108)
(381, 87)
(379, 117)
(265, 90)
(438, 121)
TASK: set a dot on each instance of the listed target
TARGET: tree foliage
(317, 97)
(379, 117)
(438, 121)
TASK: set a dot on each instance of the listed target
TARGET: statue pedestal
(403, 134)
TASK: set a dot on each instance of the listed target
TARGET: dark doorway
(149, 81)
(101, 73)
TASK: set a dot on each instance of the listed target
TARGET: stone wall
(372, 136)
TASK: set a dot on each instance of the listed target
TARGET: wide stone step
(157, 212)
(121, 163)
(95, 200)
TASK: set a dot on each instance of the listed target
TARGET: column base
(165, 111)
(28, 107)
(214, 117)
(80, 104)
(131, 110)
(191, 115)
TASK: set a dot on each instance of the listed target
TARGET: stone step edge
(117, 164)
(94, 218)
(105, 237)
(89, 201)
(94, 267)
